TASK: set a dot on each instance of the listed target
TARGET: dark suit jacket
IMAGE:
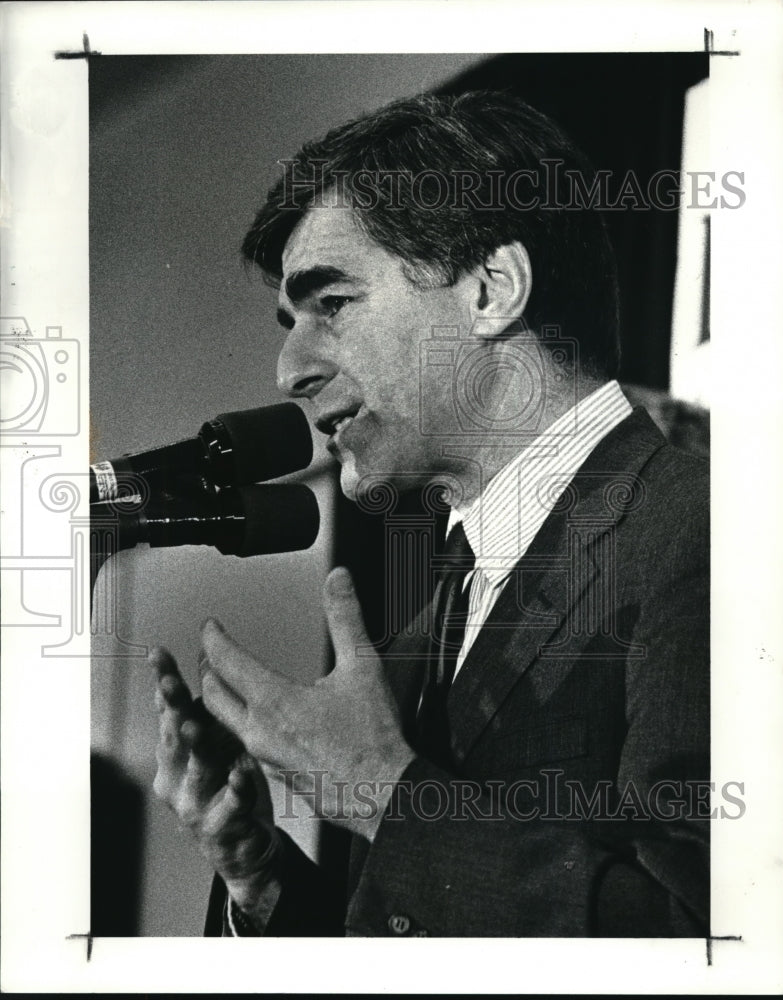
(578, 718)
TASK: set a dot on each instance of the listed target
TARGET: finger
(206, 771)
(174, 692)
(230, 814)
(172, 748)
(202, 779)
(254, 772)
(241, 789)
(218, 741)
(239, 671)
(171, 753)
(344, 616)
(209, 739)
(163, 662)
(175, 707)
(224, 703)
(171, 690)
(172, 700)
(236, 803)
(192, 734)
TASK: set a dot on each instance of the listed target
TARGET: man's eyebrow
(300, 284)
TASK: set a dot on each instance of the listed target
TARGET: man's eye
(332, 304)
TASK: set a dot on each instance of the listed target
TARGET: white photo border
(45, 704)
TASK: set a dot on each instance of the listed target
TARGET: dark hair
(465, 171)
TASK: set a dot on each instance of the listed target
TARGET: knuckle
(169, 738)
(190, 808)
(163, 754)
(188, 812)
(214, 828)
(162, 787)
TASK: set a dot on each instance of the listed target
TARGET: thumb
(344, 616)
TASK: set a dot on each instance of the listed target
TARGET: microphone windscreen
(268, 442)
(281, 518)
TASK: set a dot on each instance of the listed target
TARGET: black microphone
(234, 449)
(242, 521)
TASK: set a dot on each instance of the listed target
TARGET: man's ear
(501, 288)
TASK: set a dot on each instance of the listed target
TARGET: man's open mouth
(333, 423)
(342, 422)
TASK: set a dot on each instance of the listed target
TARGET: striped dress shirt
(504, 519)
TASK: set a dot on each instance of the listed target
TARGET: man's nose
(302, 368)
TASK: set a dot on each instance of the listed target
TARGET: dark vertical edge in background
(117, 830)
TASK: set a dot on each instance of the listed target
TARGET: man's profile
(529, 757)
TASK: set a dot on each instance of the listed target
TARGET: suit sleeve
(311, 903)
(448, 860)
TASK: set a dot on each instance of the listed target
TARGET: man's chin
(349, 478)
(374, 491)
(377, 489)
(349, 489)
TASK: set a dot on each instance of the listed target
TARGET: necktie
(450, 610)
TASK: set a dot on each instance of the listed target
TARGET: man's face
(355, 325)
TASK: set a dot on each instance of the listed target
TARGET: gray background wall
(181, 154)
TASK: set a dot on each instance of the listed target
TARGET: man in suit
(531, 757)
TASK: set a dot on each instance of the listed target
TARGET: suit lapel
(549, 580)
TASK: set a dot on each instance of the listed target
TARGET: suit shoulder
(669, 532)
(678, 483)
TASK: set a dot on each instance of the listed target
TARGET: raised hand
(213, 786)
(337, 741)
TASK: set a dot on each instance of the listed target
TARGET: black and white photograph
(390, 462)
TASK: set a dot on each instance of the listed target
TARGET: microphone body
(234, 449)
(243, 521)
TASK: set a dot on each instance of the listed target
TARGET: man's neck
(482, 462)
